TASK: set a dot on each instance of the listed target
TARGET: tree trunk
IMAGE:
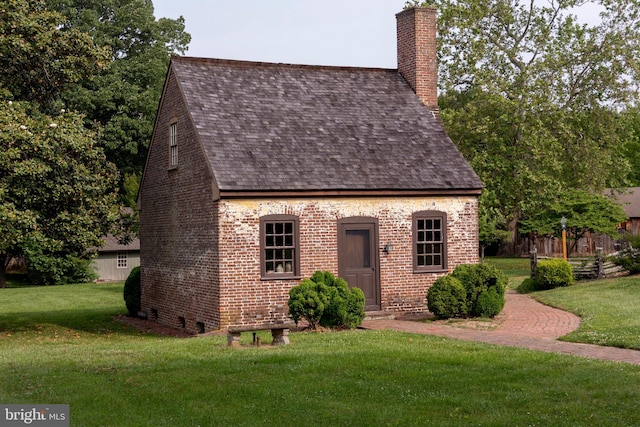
(4, 262)
(512, 227)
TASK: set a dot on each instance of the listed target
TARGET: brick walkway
(526, 324)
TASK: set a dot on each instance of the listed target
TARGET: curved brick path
(527, 324)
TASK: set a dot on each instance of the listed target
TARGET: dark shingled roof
(112, 244)
(281, 127)
(629, 200)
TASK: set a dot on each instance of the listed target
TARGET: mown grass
(609, 309)
(59, 345)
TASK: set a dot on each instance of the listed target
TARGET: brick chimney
(417, 60)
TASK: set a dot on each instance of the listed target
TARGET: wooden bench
(279, 332)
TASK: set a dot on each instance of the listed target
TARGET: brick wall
(417, 53)
(245, 299)
(178, 231)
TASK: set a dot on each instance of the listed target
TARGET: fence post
(533, 258)
(599, 267)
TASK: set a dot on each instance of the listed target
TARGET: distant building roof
(629, 200)
(281, 127)
(111, 244)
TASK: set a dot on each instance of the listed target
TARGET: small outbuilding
(258, 174)
(629, 199)
(114, 260)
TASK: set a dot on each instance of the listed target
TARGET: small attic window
(173, 145)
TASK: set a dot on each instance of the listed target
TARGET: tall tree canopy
(533, 97)
(39, 62)
(124, 97)
(58, 193)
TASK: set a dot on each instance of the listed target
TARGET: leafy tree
(631, 120)
(57, 191)
(38, 61)
(492, 228)
(584, 212)
(124, 97)
(533, 98)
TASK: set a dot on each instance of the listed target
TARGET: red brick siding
(417, 48)
(246, 299)
(178, 234)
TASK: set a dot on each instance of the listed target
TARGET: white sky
(359, 33)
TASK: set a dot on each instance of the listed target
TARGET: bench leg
(233, 339)
(280, 336)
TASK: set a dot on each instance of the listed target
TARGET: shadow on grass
(97, 321)
(17, 280)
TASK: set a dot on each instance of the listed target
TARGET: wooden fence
(584, 268)
(589, 245)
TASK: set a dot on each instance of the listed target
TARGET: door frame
(360, 223)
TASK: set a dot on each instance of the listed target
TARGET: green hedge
(327, 301)
(447, 297)
(470, 290)
(550, 274)
(553, 273)
(132, 293)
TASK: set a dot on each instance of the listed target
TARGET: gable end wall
(178, 231)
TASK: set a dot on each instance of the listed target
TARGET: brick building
(259, 174)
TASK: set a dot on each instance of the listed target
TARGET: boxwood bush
(489, 303)
(447, 298)
(131, 292)
(527, 285)
(553, 273)
(307, 301)
(483, 288)
(327, 301)
(478, 279)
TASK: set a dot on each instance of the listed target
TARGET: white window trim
(173, 145)
(122, 260)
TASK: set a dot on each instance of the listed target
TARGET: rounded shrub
(307, 301)
(478, 279)
(466, 274)
(326, 300)
(553, 273)
(447, 298)
(355, 308)
(489, 303)
(131, 292)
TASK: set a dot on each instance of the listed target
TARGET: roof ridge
(249, 64)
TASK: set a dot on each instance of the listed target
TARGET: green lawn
(609, 309)
(59, 345)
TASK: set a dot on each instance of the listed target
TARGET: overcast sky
(359, 33)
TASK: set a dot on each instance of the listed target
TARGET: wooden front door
(358, 257)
